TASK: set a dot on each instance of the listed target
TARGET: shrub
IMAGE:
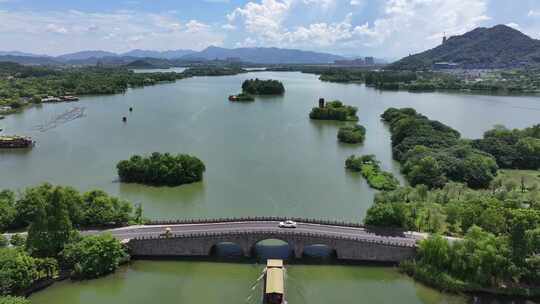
(3, 241)
(18, 270)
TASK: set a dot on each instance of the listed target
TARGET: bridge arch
(318, 251)
(272, 247)
(226, 249)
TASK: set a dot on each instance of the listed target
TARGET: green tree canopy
(94, 256)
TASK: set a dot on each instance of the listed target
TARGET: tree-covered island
(263, 87)
(370, 168)
(352, 134)
(161, 169)
(432, 153)
(333, 110)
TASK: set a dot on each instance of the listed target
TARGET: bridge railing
(383, 240)
(255, 219)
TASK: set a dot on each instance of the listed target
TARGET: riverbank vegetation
(263, 87)
(370, 168)
(91, 209)
(21, 86)
(54, 215)
(432, 153)
(355, 134)
(94, 256)
(500, 249)
(161, 169)
(213, 71)
(19, 271)
(334, 110)
(524, 81)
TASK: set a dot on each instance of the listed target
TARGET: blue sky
(381, 28)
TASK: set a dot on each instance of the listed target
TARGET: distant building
(445, 65)
(369, 60)
(233, 59)
(444, 39)
(354, 62)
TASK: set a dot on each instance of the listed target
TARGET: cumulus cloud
(403, 26)
(55, 32)
(534, 13)
(263, 18)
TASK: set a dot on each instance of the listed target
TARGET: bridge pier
(298, 251)
(247, 251)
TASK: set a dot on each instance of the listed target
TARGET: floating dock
(15, 142)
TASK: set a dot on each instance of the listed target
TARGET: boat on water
(15, 142)
(274, 283)
(69, 98)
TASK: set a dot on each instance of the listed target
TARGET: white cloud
(534, 13)
(53, 28)
(404, 25)
(513, 25)
(322, 3)
(228, 27)
(262, 19)
(194, 26)
(56, 32)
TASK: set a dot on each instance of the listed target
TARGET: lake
(262, 158)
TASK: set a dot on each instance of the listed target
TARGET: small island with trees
(263, 87)
(256, 86)
(333, 110)
(160, 169)
(355, 134)
(370, 168)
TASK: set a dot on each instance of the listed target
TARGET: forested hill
(496, 47)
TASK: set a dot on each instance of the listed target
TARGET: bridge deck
(154, 231)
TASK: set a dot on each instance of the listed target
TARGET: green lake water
(262, 158)
(203, 282)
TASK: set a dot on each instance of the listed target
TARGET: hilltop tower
(444, 39)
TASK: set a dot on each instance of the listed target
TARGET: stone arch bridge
(198, 238)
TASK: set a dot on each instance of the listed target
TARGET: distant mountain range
(496, 47)
(264, 55)
(252, 55)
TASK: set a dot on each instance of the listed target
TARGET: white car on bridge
(287, 224)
